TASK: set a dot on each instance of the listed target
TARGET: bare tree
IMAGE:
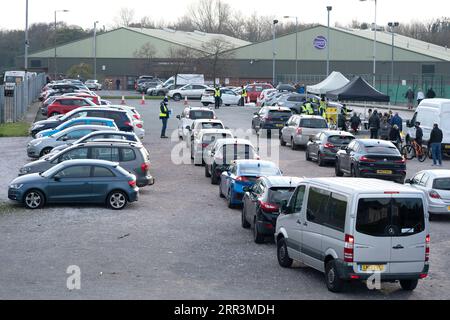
(147, 52)
(216, 56)
(125, 17)
(210, 16)
(183, 59)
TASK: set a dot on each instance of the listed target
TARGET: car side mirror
(65, 139)
(286, 124)
(408, 181)
(188, 128)
(178, 117)
(343, 147)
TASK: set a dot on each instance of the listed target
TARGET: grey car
(133, 157)
(324, 146)
(76, 181)
(300, 129)
(41, 146)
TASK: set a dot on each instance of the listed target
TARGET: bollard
(123, 100)
(143, 99)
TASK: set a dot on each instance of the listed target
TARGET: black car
(271, 118)
(370, 158)
(261, 204)
(324, 146)
(120, 117)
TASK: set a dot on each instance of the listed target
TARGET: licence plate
(384, 171)
(372, 267)
(448, 208)
(447, 146)
(280, 126)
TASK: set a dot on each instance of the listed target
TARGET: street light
(274, 53)
(95, 50)
(296, 45)
(374, 43)
(392, 26)
(329, 8)
(56, 11)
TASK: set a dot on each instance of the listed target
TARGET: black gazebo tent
(358, 90)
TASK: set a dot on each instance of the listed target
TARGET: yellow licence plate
(280, 125)
(384, 171)
(447, 146)
(372, 267)
(448, 208)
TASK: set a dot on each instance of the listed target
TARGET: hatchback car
(76, 181)
(204, 142)
(270, 118)
(188, 116)
(300, 129)
(228, 97)
(63, 105)
(324, 146)
(436, 185)
(261, 204)
(244, 173)
(370, 158)
(201, 124)
(190, 91)
(93, 85)
(78, 122)
(133, 157)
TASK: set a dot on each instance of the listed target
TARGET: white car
(265, 94)
(229, 97)
(190, 91)
(189, 115)
(436, 185)
(202, 143)
(201, 124)
(138, 123)
(93, 85)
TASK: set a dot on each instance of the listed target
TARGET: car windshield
(280, 113)
(382, 150)
(389, 217)
(201, 114)
(313, 123)
(237, 151)
(258, 170)
(208, 125)
(441, 184)
(211, 137)
(340, 139)
(279, 194)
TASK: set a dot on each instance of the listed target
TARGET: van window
(297, 199)
(128, 154)
(386, 217)
(336, 209)
(317, 204)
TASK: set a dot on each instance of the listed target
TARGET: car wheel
(355, 173)
(293, 145)
(45, 151)
(244, 222)
(214, 177)
(117, 200)
(408, 285)
(337, 169)
(320, 160)
(282, 254)
(257, 236)
(34, 199)
(282, 142)
(207, 173)
(307, 157)
(177, 97)
(334, 283)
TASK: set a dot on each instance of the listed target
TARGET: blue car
(76, 181)
(78, 122)
(244, 173)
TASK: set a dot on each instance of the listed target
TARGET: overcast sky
(84, 12)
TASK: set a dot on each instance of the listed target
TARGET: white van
(14, 78)
(356, 229)
(429, 112)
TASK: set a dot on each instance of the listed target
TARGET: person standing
(342, 124)
(355, 121)
(385, 128)
(410, 96)
(217, 97)
(436, 145)
(374, 125)
(164, 116)
(243, 96)
(394, 136)
(420, 96)
(118, 84)
(323, 109)
(397, 120)
(431, 94)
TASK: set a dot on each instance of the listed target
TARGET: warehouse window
(427, 68)
(36, 63)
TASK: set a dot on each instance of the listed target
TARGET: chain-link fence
(13, 107)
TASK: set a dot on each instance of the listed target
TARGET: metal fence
(13, 107)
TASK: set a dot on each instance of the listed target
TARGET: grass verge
(18, 129)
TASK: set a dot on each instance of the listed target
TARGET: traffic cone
(123, 100)
(248, 99)
(143, 99)
(185, 101)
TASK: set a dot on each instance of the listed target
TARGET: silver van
(356, 229)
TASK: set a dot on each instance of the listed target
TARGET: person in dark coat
(397, 120)
(374, 125)
(118, 84)
(431, 94)
(435, 142)
(394, 136)
(385, 128)
(342, 125)
(355, 121)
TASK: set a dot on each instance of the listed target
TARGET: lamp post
(329, 8)
(56, 11)
(95, 50)
(26, 38)
(374, 43)
(392, 26)
(274, 53)
(296, 45)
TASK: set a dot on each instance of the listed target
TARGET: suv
(131, 156)
(300, 129)
(120, 117)
(270, 118)
(324, 146)
(63, 105)
(189, 115)
(355, 229)
(255, 89)
(204, 139)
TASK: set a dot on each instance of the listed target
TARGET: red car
(62, 105)
(255, 89)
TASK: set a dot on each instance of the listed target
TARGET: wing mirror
(344, 147)
(57, 178)
(188, 128)
(408, 181)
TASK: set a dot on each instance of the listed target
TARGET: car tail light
(427, 248)
(205, 145)
(139, 125)
(433, 194)
(328, 145)
(299, 131)
(136, 116)
(132, 183)
(402, 161)
(128, 124)
(242, 179)
(365, 159)
(423, 276)
(268, 207)
(348, 248)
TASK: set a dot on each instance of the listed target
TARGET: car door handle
(397, 247)
(299, 222)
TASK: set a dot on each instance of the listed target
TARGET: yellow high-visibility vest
(244, 93)
(217, 93)
(163, 114)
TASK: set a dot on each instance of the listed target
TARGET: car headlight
(38, 126)
(16, 186)
(25, 170)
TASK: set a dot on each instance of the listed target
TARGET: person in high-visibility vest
(309, 108)
(164, 116)
(323, 108)
(243, 96)
(217, 96)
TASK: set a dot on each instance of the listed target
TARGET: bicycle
(413, 149)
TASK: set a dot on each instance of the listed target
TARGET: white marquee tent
(334, 81)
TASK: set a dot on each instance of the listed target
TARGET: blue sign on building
(320, 42)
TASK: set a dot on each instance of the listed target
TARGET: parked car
(223, 153)
(272, 99)
(99, 135)
(191, 91)
(270, 118)
(294, 101)
(261, 204)
(436, 186)
(93, 85)
(63, 105)
(228, 98)
(41, 146)
(120, 117)
(353, 229)
(255, 89)
(162, 91)
(324, 146)
(147, 85)
(188, 116)
(200, 124)
(265, 94)
(75, 182)
(300, 129)
(243, 173)
(78, 122)
(133, 114)
(370, 158)
(204, 139)
(131, 156)
(90, 96)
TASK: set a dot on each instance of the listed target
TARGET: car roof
(277, 108)
(205, 131)
(437, 173)
(233, 141)
(281, 181)
(123, 133)
(337, 133)
(85, 126)
(99, 108)
(254, 162)
(90, 162)
(89, 118)
(375, 142)
(111, 143)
